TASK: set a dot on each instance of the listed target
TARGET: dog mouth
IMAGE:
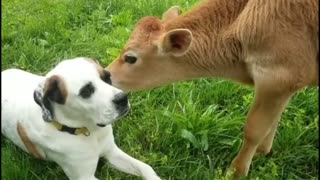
(123, 111)
(101, 125)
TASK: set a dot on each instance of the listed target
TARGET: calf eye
(130, 59)
(87, 90)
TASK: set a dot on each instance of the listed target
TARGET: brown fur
(55, 83)
(32, 149)
(270, 44)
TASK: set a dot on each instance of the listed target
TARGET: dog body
(74, 96)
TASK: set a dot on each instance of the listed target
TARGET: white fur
(77, 154)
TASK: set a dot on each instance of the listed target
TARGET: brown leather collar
(71, 130)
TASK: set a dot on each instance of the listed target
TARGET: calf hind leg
(265, 146)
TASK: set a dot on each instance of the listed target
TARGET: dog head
(79, 92)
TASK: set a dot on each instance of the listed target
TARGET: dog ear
(105, 76)
(52, 90)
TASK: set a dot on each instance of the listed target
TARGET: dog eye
(87, 90)
(130, 59)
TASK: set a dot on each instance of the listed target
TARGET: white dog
(66, 117)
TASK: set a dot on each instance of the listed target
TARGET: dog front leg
(130, 165)
(82, 170)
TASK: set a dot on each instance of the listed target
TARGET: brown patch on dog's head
(55, 89)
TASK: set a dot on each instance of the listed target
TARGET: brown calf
(270, 44)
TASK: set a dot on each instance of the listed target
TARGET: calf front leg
(130, 165)
(260, 127)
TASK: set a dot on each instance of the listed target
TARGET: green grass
(188, 130)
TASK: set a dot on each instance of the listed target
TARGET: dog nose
(120, 99)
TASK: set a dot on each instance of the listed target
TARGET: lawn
(187, 130)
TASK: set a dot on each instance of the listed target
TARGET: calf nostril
(120, 99)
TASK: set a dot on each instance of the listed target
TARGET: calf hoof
(236, 171)
(269, 154)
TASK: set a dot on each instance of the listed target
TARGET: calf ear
(171, 13)
(176, 42)
(52, 90)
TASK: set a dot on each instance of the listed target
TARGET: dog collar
(75, 131)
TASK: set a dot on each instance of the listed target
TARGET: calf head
(78, 92)
(153, 54)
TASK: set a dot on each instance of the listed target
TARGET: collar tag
(83, 131)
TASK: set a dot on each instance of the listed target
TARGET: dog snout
(120, 100)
